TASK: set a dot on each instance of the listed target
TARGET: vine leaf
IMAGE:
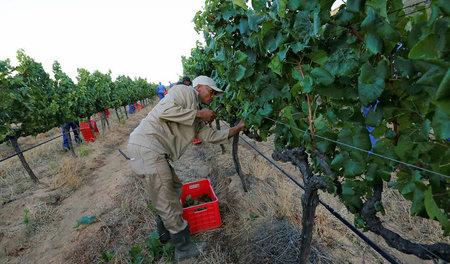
(241, 57)
(322, 76)
(266, 110)
(295, 4)
(426, 48)
(240, 72)
(354, 5)
(417, 206)
(379, 6)
(258, 5)
(240, 3)
(441, 124)
(281, 8)
(276, 65)
(374, 43)
(442, 96)
(374, 118)
(342, 62)
(318, 56)
(433, 210)
(370, 86)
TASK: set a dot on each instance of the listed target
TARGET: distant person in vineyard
(75, 127)
(162, 137)
(186, 81)
(160, 91)
(131, 108)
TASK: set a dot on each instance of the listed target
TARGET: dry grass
(41, 216)
(69, 174)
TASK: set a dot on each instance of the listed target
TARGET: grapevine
(371, 77)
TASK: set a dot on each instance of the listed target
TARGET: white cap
(205, 80)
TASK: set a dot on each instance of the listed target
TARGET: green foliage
(32, 103)
(27, 103)
(150, 206)
(136, 255)
(156, 250)
(267, 57)
(253, 216)
(106, 257)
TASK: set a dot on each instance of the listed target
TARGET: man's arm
(236, 129)
(219, 136)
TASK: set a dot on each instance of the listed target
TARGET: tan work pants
(161, 183)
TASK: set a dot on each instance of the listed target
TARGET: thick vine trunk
(218, 128)
(117, 114)
(92, 128)
(310, 199)
(106, 119)
(102, 121)
(125, 109)
(23, 161)
(423, 251)
(236, 161)
(325, 166)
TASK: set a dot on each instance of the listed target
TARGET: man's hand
(206, 115)
(241, 125)
(237, 128)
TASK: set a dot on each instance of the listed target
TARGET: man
(66, 129)
(163, 136)
(160, 90)
(186, 81)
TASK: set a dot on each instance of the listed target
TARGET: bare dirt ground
(260, 226)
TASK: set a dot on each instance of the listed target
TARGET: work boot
(164, 235)
(184, 248)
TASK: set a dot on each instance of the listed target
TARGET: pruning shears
(123, 154)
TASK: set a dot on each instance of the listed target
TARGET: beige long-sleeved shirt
(171, 125)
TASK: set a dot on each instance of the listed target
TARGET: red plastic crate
(87, 132)
(203, 216)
